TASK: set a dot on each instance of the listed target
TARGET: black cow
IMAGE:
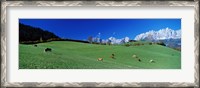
(35, 45)
(112, 56)
(139, 60)
(47, 50)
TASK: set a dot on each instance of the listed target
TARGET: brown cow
(100, 59)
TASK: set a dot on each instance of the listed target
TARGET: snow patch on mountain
(161, 34)
(111, 40)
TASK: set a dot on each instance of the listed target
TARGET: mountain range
(171, 38)
(161, 34)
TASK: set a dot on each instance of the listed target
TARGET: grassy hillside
(75, 55)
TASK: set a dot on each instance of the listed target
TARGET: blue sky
(81, 29)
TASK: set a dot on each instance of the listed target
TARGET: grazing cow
(139, 60)
(112, 56)
(35, 45)
(134, 56)
(152, 61)
(100, 59)
(47, 50)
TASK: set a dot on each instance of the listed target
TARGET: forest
(30, 35)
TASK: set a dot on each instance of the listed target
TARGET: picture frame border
(5, 4)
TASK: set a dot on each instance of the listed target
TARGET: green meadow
(76, 55)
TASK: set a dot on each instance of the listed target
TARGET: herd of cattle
(101, 59)
(134, 56)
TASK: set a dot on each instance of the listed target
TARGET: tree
(41, 40)
(100, 41)
(109, 42)
(90, 39)
(161, 43)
